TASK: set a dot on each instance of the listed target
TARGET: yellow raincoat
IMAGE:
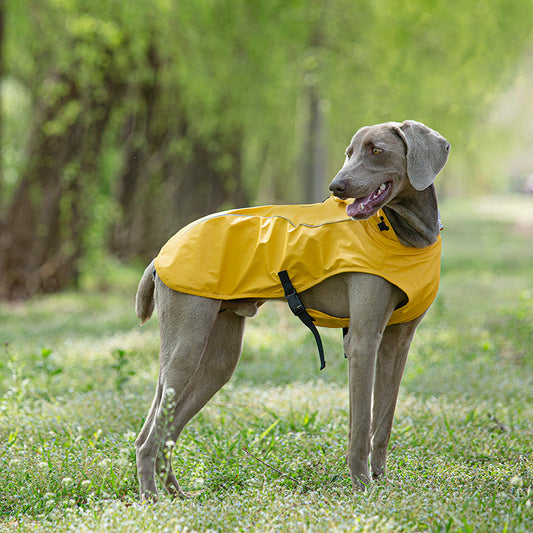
(238, 254)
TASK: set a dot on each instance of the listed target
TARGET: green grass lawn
(77, 375)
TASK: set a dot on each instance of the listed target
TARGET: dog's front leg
(361, 382)
(372, 301)
(391, 359)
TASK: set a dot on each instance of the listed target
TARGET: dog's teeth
(361, 206)
(382, 187)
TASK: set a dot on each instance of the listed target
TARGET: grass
(77, 375)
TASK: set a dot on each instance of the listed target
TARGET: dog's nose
(338, 186)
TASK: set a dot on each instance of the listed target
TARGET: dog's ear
(427, 152)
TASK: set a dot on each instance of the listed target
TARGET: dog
(389, 168)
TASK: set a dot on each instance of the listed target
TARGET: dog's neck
(415, 217)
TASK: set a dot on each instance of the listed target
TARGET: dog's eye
(349, 152)
(376, 150)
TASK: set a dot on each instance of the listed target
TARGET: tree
(48, 212)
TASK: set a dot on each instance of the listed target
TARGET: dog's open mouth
(367, 206)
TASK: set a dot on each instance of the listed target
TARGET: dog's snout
(338, 186)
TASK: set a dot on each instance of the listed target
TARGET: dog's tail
(144, 300)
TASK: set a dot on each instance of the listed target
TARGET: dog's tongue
(360, 206)
(366, 206)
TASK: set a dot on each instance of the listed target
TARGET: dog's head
(385, 159)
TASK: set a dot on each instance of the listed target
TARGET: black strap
(298, 308)
(344, 333)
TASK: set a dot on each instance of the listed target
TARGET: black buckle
(295, 304)
(298, 308)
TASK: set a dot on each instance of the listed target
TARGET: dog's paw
(361, 483)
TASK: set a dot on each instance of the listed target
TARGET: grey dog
(388, 166)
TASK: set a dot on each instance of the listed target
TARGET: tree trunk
(43, 236)
(315, 151)
(315, 144)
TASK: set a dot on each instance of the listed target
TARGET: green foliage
(120, 366)
(268, 451)
(234, 67)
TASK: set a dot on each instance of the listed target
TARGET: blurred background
(122, 120)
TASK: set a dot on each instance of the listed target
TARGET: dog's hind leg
(216, 368)
(390, 364)
(145, 431)
(185, 323)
